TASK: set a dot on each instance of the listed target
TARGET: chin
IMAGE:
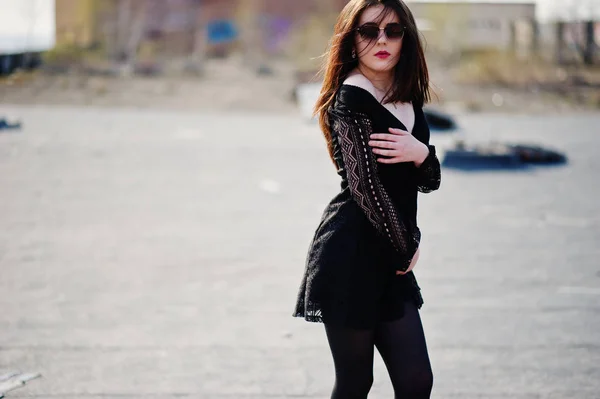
(381, 68)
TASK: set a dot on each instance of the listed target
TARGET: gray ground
(158, 254)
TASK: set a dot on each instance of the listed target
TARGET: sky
(568, 9)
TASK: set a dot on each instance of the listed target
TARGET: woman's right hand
(413, 262)
(398, 146)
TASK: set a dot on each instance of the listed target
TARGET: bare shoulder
(361, 81)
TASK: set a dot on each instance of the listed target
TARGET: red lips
(382, 54)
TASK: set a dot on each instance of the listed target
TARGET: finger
(390, 160)
(381, 144)
(383, 136)
(399, 273)
(385, 153)
(398, 131)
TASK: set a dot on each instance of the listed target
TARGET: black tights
(402, 346)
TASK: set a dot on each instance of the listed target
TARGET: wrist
(423, 154)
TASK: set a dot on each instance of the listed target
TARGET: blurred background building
(147, 31)
(455, 26)
(491, 41)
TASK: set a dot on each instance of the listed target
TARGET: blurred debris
(8, 125)
(439, 120)
(494, 155)
(264, 70)
(474, 157)
(14, 380)
(8, 376)
(535, 154)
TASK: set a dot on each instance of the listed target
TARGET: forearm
(367, 189)
(429, 172)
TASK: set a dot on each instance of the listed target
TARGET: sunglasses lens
(394, 31)
(369, 32)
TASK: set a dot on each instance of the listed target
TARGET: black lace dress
(369, 229)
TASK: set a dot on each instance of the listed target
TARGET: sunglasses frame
(374, 26)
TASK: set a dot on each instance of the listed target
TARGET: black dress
(369, 229)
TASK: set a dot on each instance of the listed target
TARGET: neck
(382, 81)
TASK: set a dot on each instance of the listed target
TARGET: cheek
(397, 47)
(361, 46)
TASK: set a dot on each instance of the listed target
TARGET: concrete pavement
(157, 254)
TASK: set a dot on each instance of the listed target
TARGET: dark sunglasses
(370, 31)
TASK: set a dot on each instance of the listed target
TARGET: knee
(416, 385)
(366, 384)
(353, 386)
(424, 382)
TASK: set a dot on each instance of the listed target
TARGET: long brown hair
(411, 77)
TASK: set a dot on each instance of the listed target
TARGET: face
(374, 49)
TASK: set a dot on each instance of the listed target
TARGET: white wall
(27, 26)
(568, 10)
(465, 25)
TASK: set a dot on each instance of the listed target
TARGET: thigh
(351, 348)
(403, 349)
(352, 352)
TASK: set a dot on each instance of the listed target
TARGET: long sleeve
(429, 173)
(353, 131)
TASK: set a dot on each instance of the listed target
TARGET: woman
(358, 279)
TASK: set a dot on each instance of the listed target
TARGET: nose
(382, 38)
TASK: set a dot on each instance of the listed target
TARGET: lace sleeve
(353, 133)
(429, 174)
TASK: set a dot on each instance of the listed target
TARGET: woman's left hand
(398, 146)
(413, 262)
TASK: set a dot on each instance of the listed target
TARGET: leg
(402, 346)
(352, 352)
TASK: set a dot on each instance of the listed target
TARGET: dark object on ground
(439, 120)
(6, 125)
(147, 69)
(537, 155)
(9, 63)
(264, 70)
(499, 156)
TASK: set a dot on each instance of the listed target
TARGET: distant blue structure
(221, 32)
